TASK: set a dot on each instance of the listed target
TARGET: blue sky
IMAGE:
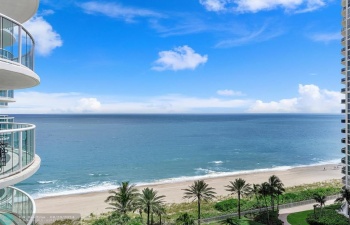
(185, 56)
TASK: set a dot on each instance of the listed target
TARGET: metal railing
(17, 147)
(18, 205)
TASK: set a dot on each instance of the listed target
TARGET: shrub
(273, 216)
(229, 205)
(328, 217)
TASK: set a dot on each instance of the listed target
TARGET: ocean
(85, 153)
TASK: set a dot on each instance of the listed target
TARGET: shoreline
(93, 202)
(96, 189)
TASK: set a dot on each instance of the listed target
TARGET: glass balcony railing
(17, 147)
(16, 43)
(16, 207)
(7, 94)
(6, 119)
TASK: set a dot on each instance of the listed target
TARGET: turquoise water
(83, 153)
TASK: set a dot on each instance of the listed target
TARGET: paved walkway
(284, 212)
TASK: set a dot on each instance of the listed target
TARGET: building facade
(18, 159)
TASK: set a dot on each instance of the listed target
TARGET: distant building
(18, 160)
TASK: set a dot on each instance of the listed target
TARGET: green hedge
(329, 216)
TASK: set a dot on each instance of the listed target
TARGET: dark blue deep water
(82, 153)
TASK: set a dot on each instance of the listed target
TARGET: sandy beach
(85, 204)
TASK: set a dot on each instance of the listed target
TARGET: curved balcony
(16, 207)
(343, 21)
(16, 56)
(343, 41)
(343, 32)
(17, 153)
(342, 51)
(343, 130)
(343, 170)
(343, 101)
(343, 70)
(343, 90)
(343, 11)
(20, 10)
(342, 111)
(343, 150)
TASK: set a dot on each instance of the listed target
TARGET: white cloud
(46, 12)
(227, 92)
(253, 6)
(46, 39)
(213, 5)
(180, 58)
(37, 102)
(88, 105)
(118, 11)
(326, 37)
(265, 33)
(311, 100)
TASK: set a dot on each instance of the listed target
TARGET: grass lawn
(299, 218)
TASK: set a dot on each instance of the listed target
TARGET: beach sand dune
(84, 204)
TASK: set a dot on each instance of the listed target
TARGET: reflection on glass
(16, 44)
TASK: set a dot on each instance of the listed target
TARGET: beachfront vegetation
(200, 191)
(321, 200)
(185, 219)
(124, 199)
(151, 203)
(222, 206)
(241, 188)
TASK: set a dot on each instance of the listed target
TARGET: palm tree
(255, 191)
(321, 199)
(241, 188)
(185, 219)
(123, 200)
(200, 191)
(265, 191)
(160, 211)
(275, 184)
(315, 206)
(279, 191)
(345, 196)
(150, 202)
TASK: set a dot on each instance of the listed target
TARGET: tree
(321, 199)
(279, 191)
(150, 202)
(240, 188)
(123, 200)
(315, 206)
(160, 211)
(345, 196)
(199, 191)
(276, 189)
(265, 191)
(185, 219)
(255, 191)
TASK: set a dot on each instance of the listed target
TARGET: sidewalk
(284, 212)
